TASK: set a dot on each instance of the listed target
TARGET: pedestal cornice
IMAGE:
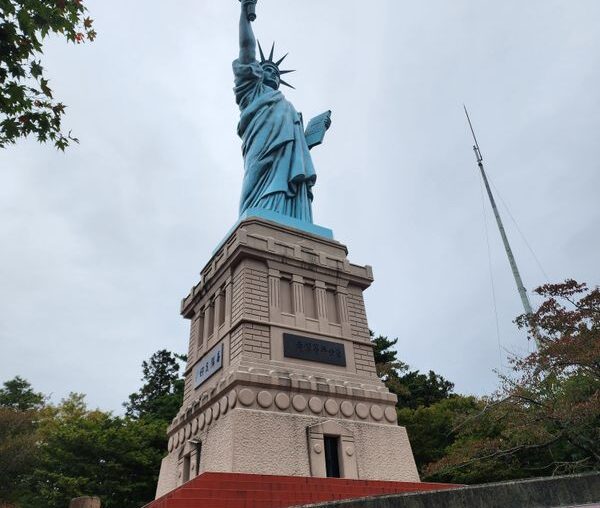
(278, 244)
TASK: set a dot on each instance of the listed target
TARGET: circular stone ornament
(362, 410)
(246, 396)
(332, 407)
(201, 421)
(282, 401)
(216, 411)
(188, 431)
(350, 451)
(195, 426)
(315, 404)
(171, 444)
(181, 435)
(264, 399)
(224, 404)
(232, 399)
(317, 448)
(390, 414)
(299, 403)
(347, 408)
(376, 412)
(209, 416)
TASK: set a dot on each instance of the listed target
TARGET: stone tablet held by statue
(316, 128)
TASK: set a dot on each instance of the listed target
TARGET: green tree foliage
(18, 451)
(27, 105)
(20, 408)
(93, 453)
(424, 390)
(388, 367)
(161, 395)
(426, 406)
(51, 454)
(431, 428)
(412, 388)
(19, 395)
(546, 419)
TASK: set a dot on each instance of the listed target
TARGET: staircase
(238, 490)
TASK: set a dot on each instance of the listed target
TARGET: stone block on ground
(85, 502)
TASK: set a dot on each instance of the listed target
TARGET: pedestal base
(272, 443)
(281, 377)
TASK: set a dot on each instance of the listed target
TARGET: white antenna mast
(509, 253)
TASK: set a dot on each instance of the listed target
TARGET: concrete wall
(560, 491)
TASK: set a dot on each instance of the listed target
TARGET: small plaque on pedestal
(209, 364)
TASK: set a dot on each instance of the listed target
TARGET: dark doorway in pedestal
(198, 457)
(186, 469)
(332, 458)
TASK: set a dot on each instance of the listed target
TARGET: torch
(250, 6)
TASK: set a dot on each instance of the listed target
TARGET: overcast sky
(98, 245)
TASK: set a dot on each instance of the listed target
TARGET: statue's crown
(269, 62)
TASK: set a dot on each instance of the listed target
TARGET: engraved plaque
(210, 363)
(314, 350)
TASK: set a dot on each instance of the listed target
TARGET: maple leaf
(45, 89)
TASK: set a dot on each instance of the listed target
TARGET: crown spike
(271, 62)
(272, 52)
(281, 81)
(262, 55)
(281, 60)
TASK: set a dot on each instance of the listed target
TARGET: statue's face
(271, 77)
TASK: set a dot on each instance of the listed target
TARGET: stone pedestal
(280, 366)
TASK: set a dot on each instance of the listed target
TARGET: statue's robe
(278, 169)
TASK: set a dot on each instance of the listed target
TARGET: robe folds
(278, 169)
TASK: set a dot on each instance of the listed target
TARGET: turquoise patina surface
(278, 170)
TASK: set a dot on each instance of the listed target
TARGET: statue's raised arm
(247, 39)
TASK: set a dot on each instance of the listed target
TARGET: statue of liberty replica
(278, 169)
(280, 377)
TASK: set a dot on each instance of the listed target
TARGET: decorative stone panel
(253, 340)
(236, 343)
(357, 315)
(364, 360)
(256, 341)
(194, 336)
(250, 298)
(188, 389)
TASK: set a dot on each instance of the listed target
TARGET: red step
(239, 490)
